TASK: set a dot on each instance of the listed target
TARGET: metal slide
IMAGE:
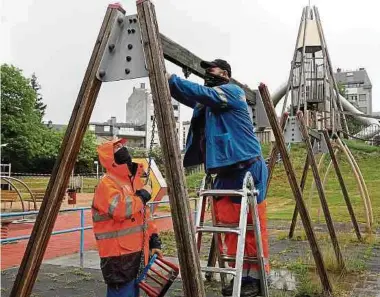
(367, 133)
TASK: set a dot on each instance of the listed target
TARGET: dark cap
(222, 64)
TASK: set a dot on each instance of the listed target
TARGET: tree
(51, 142)
(21, 124)
(39, 106)
(30, 145)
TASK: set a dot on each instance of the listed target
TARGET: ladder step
(219, 270)
(221, 193)
(228, 258)
(212, 229)
(249, 226)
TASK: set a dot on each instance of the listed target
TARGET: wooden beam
(321, 192)
(302, 186)
(55, 192)
(179, 202)
(183, 58)
(271, 112)
(342, 185)
(274, 152)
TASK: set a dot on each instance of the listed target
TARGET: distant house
(135, 134)
(358, 88)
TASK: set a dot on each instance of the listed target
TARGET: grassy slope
(280, 198)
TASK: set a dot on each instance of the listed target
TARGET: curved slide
(366, 133)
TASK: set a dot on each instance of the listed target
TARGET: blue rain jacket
(228, 128)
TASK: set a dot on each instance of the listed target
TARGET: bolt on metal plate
(292, 133)
(124, 55)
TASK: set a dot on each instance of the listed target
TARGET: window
(151, 118)
(362, 97)
(106, 128)
(176, 118)
(175, 107)
(92, 127)
(353, 98)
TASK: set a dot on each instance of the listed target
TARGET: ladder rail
(218, 245)
(259, 245)
(248, 204)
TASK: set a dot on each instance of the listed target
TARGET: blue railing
(81, 227)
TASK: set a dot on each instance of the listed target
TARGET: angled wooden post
(68, 153)
(302, 186)
(179, 202)
(342, 185)
(321, 193)
(274, 152)
(320, 265)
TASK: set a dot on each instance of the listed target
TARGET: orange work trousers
(227, 212)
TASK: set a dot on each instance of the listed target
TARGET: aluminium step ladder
(248, 196)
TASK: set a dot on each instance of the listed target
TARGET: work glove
(155, 245)
(145, 194)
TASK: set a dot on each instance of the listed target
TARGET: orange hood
(106, 158)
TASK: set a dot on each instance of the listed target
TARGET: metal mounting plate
(292, 133)
(124, 56)
(320, 146)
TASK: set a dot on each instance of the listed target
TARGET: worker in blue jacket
(222, 137)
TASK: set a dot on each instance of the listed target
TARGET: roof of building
(353, 77)
(119, 125)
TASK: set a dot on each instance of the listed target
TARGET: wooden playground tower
(314, 117)
(130, 47)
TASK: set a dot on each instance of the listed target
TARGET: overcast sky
(54, 39)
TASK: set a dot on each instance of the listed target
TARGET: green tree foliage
(39, 105)
(20, 121)
(156, 156)
(27, 143)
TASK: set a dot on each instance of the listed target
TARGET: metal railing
(81, 227)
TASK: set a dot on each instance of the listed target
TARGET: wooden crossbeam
(183, 58)
(179, 202)
(320, 265)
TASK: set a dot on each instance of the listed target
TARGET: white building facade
(140, 111)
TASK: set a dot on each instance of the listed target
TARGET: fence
(81, 227)
(82, 183)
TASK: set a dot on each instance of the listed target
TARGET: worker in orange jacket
(118, 217)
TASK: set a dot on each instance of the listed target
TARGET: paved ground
(63, 277)
(369, 285)
(59, 274)
(61, 281)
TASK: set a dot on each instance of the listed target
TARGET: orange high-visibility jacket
(118, 219)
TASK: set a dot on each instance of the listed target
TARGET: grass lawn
(280, 198)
